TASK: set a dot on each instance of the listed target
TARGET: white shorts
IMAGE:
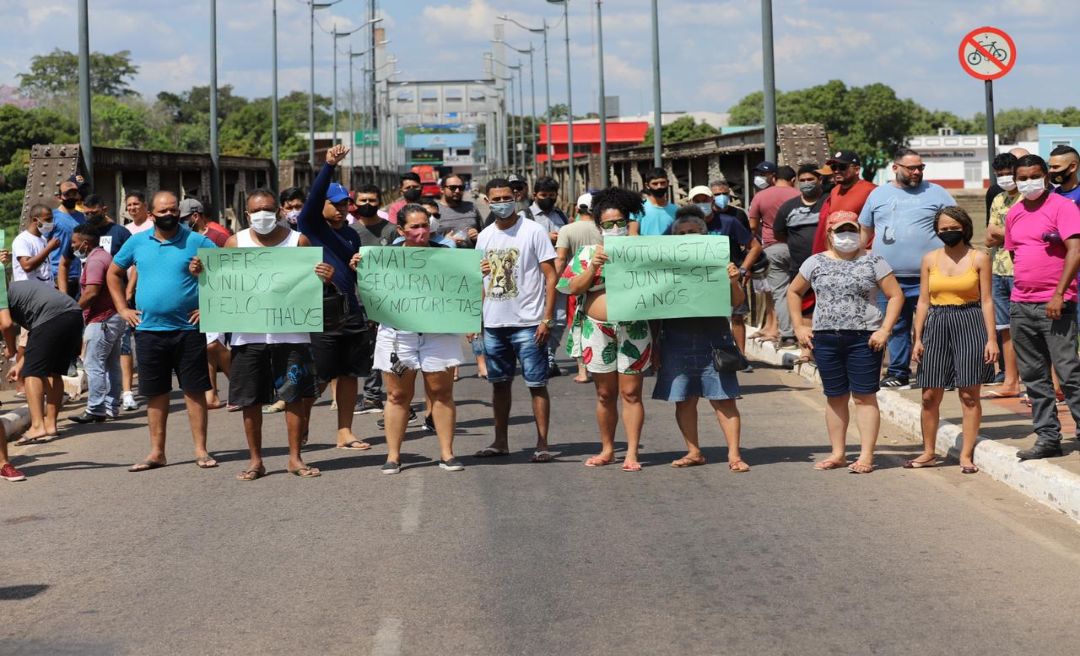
(430, 352)
(215, 337)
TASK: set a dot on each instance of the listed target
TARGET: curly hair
(625, 201)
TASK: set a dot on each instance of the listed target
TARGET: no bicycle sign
(987, 53)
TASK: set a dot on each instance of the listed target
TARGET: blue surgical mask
(503, 210)
(721, 200)
(706, 208)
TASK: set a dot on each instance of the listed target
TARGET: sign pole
(991, 149)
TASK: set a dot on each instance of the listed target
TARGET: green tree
(57, 73)
(683, 128)
(22, 128)
(129, 123)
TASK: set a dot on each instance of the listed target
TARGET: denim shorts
(846, 363)
(125, 340)
(1002, 289)
(503, 347)
(687, 370)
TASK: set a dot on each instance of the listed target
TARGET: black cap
(514, 177)
(765, 167)
(844, 157)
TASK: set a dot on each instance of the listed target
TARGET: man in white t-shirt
(519, 311)
(31, 250)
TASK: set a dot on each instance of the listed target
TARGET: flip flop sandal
(355, 445)
(206, 463)
(688, 462)
(597, 461)
(859, 468)
(915, 464)
(26, 441)
(251, 474)
(969, 470)
(735, 467)
(490, 452)
(826, 465)
(999, 395)
(542, 456)
(306, 472)
(631, 466)
(145, 465)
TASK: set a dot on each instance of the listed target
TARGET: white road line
(387, 640)
(410, 514)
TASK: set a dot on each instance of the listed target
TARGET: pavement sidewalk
(15, 415)
(1006, 428)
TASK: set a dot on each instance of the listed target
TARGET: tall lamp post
(569, 98)
(215, 160)
(532, 92)
(352, 103)
(335, 36)
(658, 121)
(275, 147)
(312, 5)
(547, 83)
(85, 142)
(770, 79)
(602, 106)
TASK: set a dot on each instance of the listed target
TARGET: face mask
(706, 208)
(615, 231)
(1006, 182)
(545, 204)
(366, 211)
(411, 195)
(721, 200)
(82, 256)
(760, 182)
(808, 188)
(951, 237)
(1058, 178)
(1032, 189)
(291, 216)
(46, 228)
(503, 210)
(263, 222)
(69, 203)
(167, 222)
(658, 194)
(846, 242)
(417, 236)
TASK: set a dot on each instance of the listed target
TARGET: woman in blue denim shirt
(849, 333)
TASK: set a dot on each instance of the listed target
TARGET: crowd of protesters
(849, 272)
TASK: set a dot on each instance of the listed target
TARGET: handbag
(335, 308)
(728, 359)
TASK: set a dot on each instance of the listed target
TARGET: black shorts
(263, 373)
(345, 352)
(161, 353)
(52, 346)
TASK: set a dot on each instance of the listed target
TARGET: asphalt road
(517, 558)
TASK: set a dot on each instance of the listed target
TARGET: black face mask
(658, 193)
(366, 211)
(69, 203)
(951, 237)
(95, 219)
(545, 204)
(411, 195)
(167, 222)
(1059, 178)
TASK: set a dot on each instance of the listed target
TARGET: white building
(954, 161)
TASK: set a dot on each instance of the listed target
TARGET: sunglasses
(621, 223)
(454, 187)
(839, 167)
(917, 167)
(846, 228)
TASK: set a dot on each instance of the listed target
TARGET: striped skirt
(954, 341)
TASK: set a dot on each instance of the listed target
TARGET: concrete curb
(16, 421)
(1040, 480)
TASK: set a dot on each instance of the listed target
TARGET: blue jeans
(505, 346)
(900, 341)
(1002, 289)
(102, 365)
(846, 363)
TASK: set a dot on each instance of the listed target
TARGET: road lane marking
(387, 640)
(410, 514)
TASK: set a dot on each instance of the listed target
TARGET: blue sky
(710, 49)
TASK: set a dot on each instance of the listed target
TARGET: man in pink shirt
(1042, 232)
(775, 187)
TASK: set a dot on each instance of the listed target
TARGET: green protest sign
(667, 277)
(3, 288)
(260, 290)
(423, 290)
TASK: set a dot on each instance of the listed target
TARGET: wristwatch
(742, 271)
(549, 323)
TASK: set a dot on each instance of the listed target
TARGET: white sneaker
(128, 402)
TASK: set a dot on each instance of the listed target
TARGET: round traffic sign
(987, 53)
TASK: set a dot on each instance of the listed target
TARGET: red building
(587, 138)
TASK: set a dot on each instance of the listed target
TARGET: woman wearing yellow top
(955, 343)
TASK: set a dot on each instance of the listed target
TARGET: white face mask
(263, 222)
(1032, 189)
(291, 215)
(616, 231)
(846, 242)
(82, 256)
(706, 208)
(46, 228)
(1006, 182)
(760, 182)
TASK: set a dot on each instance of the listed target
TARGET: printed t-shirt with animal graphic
(514, 289)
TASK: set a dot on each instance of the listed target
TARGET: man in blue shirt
(1064, 162)
(65, 218)
(167, 338)
(345, 353)
(659, 214)
(898, 222)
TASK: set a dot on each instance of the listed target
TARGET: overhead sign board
(987, 53)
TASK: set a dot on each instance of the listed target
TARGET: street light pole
(532, 92)
(521, 122)
(86, 147)
(274, 140)
(547, 86)
(215, 161)
(312, 5)
(572, 189)
(658, 125)
(604, 177)
(770, 79)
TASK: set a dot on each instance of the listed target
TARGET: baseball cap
(841, 217)
(765, 167)
(514, 177)
(700, 190)
(825, 170)
(189, 206)
(584, 200)
(336, 193)
(844, 157)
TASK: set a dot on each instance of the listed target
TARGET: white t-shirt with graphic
(514, 291)
(28, 245)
